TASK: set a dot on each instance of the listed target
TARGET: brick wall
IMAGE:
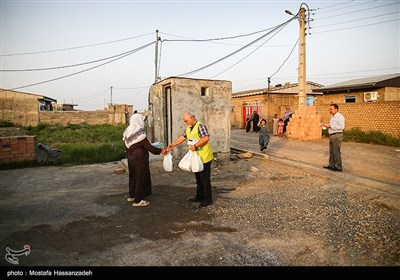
(378, 116)
(367, 116)
(17, 148)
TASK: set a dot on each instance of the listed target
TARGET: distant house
(374, 89)
(64, 107)
(23, 108)
(371, 104)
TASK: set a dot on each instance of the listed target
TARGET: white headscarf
(134, 133)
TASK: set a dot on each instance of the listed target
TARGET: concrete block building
(208, 100)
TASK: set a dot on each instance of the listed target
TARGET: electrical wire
(334, 5)
(65, 66)
(235, 52)
(215, 39)
(359, 26)
(358, 4)
(93, 96)
(82, 71)
(343, 22)
(286, 58)
(73, 48)
(250, 52)
(352, 12)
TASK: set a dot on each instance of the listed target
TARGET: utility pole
(111, 95)
(302, 58)
(156, 60)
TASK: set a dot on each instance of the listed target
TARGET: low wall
(17, 148)
(74, 117)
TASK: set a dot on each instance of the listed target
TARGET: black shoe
(194, 199)
(336, 169)
(205, 204)
(329, 167)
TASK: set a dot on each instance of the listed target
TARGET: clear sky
(76, 51)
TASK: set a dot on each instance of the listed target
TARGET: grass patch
(370, 137)
(78, 143)
(4, 123)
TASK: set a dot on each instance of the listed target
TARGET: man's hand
(192, 148)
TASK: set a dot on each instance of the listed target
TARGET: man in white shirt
(335, 129)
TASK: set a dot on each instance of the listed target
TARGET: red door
(248, 110)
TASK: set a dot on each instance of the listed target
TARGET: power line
(334, 5)
(131, 88)
(249, 53)
(65, 66)
(340, 29)
(343, 22)
(235, 52)
(215, 39)
(93, 96)
(85, 70)
(286, 58)
(73, 48)
(342, 14)
(362, 3)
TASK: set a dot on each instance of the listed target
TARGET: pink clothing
(281, 124)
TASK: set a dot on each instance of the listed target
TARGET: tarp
(45, 153)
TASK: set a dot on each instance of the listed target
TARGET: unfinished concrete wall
(208, 100)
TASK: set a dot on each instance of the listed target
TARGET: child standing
(248, 123)
(275, 125)
(263, 137)
(281, 124)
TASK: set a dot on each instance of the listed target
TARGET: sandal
(141, 203)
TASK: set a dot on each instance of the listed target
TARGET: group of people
(279, 125)
(254, 121)
(138, 148)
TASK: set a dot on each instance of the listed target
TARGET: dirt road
(282, 211)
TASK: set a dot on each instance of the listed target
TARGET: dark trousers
(335, 157)
(284, 127)
(203, 181)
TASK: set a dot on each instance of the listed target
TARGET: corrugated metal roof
(358, 83)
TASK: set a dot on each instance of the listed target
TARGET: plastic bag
(197, 164)
(167, 162)
(186, 162)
